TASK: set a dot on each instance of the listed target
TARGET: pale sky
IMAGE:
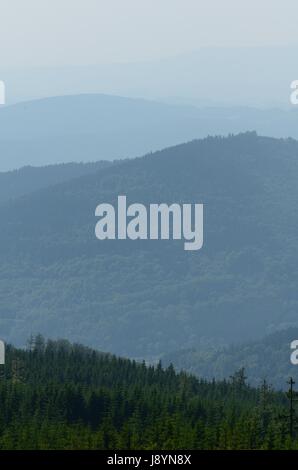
(81, 32)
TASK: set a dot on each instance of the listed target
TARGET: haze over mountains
(210, 76)
(268, 358)
(144, 299)
(88, 128)
(207, 92)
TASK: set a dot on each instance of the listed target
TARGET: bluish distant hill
(144, 299)
(87, 128)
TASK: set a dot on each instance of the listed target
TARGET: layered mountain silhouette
(87, 128)
(146, 298)
(209, 76)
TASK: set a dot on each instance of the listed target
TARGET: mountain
(57, 395)
(267, 358)
(209, 76)
(87, 128)
(14, 184)
(147, 298)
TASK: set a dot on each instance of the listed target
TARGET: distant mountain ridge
(97, 127)
(267, 358)
(248, 76)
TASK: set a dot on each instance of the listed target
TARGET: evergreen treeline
(56, 395)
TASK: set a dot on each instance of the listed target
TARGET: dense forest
(17, 183)
(55, 395)
(267, 358)
(142, 299)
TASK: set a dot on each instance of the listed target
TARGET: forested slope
(56, 395)
(146, 298)
(14, 184)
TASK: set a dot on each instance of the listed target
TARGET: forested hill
(267, 358)
(56, 395)
(144, 299)
(28, 179)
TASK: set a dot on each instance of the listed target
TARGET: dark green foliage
(56, 395)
